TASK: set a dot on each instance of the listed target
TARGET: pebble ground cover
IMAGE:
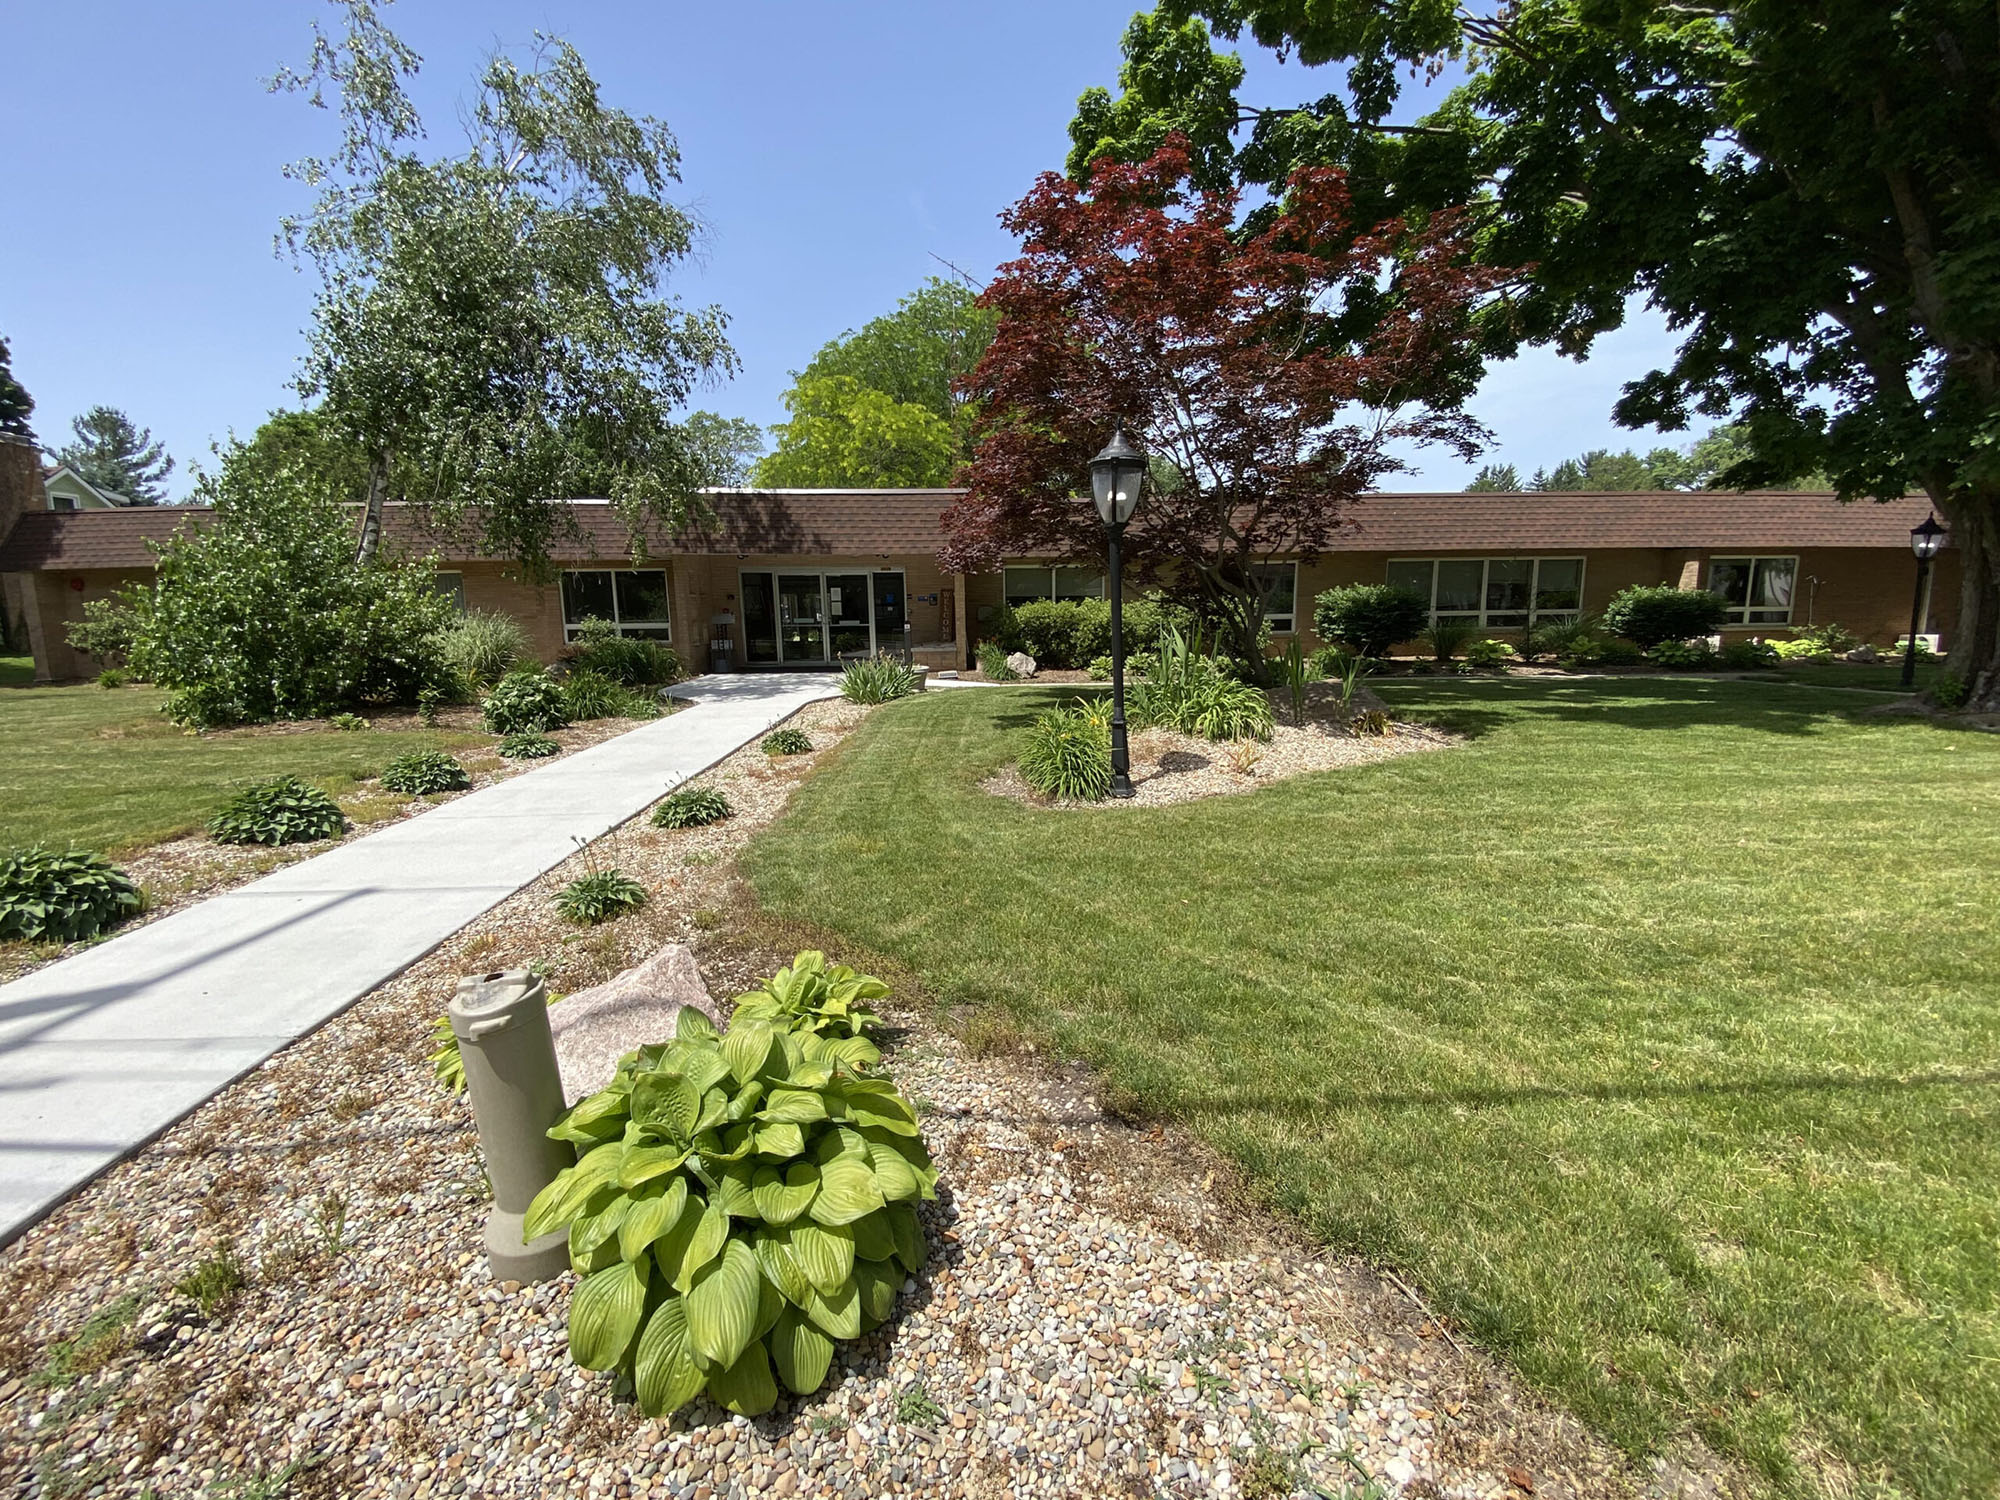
(285, 1295)
(1652, 1032)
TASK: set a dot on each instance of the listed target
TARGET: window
(1758, 590)
(62, 502)
(632, 599)
(1027, 585)
(1494, 593)
(452, 586)
(1280, 583)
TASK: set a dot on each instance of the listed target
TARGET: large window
(1280, 583)
(1026, 585)
(452, 586)
(632, 599)
(1758, 590)
(1494, 592)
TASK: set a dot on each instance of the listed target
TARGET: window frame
(661, 630)
(1008, 597)
(1738, 616)
(1289, 617)
(1512, 619)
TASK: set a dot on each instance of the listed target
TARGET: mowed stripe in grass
(1655, 1030)
(103, 769)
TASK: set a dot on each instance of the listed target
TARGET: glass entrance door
(847, 610)
(801, 618)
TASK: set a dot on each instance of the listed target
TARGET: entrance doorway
(799, 619)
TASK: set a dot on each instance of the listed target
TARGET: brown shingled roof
(857, 523)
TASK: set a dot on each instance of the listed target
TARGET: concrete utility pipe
(501, 1021)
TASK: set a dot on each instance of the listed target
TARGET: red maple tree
(1271, 366)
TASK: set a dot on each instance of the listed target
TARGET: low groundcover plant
(67, 896)
(285, 810)
(740, 1202)
(691, 807)
(528, 744)
(785, 742)
(419, 773)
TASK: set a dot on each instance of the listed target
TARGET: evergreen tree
(1502, 479)
(113, 454)
(16, 405)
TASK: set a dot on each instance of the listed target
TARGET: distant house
(68, 490)
(803, 578)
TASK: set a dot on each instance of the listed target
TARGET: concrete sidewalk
(102, 1051)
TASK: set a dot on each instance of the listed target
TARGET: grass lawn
(16, 671)
(1655, 1031)
(1884, 677)
(103, 769)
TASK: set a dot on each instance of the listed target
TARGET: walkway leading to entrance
(101, 1052)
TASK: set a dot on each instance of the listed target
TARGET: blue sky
(833, 150)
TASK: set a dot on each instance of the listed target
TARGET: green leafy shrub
(741, 1203)
(1444, 639)
(1836, 638)
(422, 773)
(68, 896)
(1370, 721)
(262, 613)
(587, 695)
(1744, 655)
(630, 661)
(284, 810)
(808, 995)
(1059, 636)
(429, 701)
(1652, 614)
(877, 680)
(1370, 617)
(1194, 693)
(1559, 638)
(1682, 655)
(1489, 653)
(1950, 693)
(113, 677)
(993, 663)
(691, 807)
(482, 648)
(598, 897)
(785, 742)
(348, 723)
(525, 700)
(1806, 649)
(1099, 669)
(528, 744)
(1067, 754)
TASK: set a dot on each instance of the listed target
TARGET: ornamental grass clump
(285, 810)
(1186, 690)
(590, 695)
(423, 773)
(691, 807)
(741, 1202)
(525, 700)
(1067, 753)
(877, 680)
(785, 742)
(528, 744)
(62, 896)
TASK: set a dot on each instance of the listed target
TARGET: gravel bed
(180, 871)
(1105, 1312)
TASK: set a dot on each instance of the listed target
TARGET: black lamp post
(1924, 541)
(1115, 477)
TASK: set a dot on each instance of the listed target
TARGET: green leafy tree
(842, 434)
(1807, 192)
(114, 454)
(16, 405)
(262, 613)
(492, 329)
(1495, 479)
(920, 354)
(297, 449)
(726, 448)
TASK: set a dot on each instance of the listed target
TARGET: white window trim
(1481, 616)
(1739, 616)
(656, 630)
(1291, 616)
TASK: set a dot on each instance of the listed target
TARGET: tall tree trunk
(371, 514)
(1975, 641)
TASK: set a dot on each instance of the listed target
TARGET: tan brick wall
(56, 601)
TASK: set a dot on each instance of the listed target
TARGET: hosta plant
(282, 811)
(691, 807)
(528, 744)
(598, 897)
(51, 896)
(785, 742)
(808, 995)
(418, 773)
(740, 1203)
(525, 700)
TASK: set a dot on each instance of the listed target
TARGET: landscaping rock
(1863, 653)
(1021, 664)
(595, 1027)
